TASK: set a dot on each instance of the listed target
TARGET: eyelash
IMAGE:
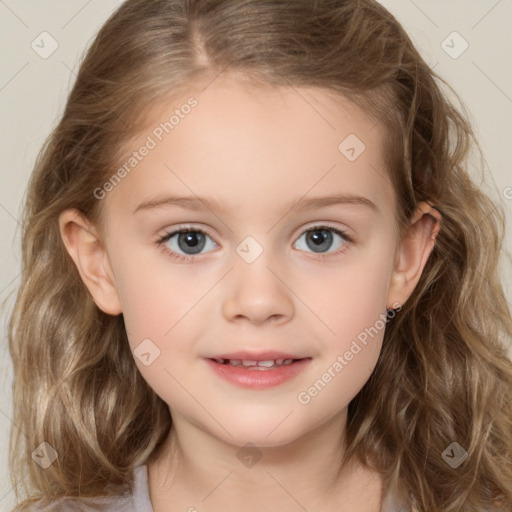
(160, 242)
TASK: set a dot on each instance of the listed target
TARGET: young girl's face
(294, 250)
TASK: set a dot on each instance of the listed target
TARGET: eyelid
(169, 232)
(329, 225)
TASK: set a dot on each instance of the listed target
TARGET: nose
(256, 293)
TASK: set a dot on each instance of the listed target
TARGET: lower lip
(258, 379)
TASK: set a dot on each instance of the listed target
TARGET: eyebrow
(203, 203)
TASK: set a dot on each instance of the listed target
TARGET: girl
(256, 275)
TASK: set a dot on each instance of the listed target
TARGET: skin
(256, 153)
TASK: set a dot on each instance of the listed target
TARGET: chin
(269, 431)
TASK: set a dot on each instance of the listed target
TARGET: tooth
(287, 361)
(267, 364)
(219, 361)
(249, 363)
(279, 361)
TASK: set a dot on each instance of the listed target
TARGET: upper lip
(269, 355)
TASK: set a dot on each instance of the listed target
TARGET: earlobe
(413, 253)
(85, 247)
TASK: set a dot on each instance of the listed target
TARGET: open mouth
(260, 370)
(258, 374)
(257, 365)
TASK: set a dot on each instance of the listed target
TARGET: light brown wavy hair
(444, 373)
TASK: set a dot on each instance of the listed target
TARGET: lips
(258, 370)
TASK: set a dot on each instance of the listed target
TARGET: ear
(85, 247)
(413, 253)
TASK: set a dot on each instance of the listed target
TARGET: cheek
(164, 307)
(352, 307)
(351, 297)
(357, 314)
(160, 325)
(155, 294)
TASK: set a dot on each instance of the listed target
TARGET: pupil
(321, 239)
(192, 240)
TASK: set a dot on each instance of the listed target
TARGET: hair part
(443, 375)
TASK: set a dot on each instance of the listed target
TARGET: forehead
(243, 144)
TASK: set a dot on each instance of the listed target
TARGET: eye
(185, 243)
(321, 238)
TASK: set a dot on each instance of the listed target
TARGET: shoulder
(138, 501)
(398, 499)
(105, 504)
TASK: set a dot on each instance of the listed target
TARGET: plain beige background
(34, 87)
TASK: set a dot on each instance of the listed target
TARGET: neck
(193, 467)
